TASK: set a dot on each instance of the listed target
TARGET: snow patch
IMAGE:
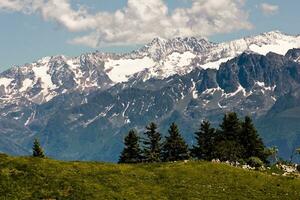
(240, 89)
(193, 90)
(281, 46)
(273, 98)
(220, 106)
(74, 66)
(176, 63)
(121, 70)
(5, 82)
(102, 114)
(211, 90)
(178, 60)
(261, 84)
(26, 84)
(124, 112)
(30, 118)
(215, 64)
(264, 87)
(41, 72)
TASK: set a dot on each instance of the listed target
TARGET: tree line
(234, 140)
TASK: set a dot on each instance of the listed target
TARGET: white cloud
(11, 5)
(269, 9)
(140, 21)
(25, 6)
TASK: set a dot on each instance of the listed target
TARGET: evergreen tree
(205, 142)
(228, 150)
(250, 140)
(152, 145)
(37, 150)
(228, 146)
(175, 148)
(132, 152)
(230, 127)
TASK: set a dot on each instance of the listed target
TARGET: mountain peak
(158, 40)
(277, 35)
(161, 58)
(275, 32)
(159, 48)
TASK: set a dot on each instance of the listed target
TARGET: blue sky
(29, 33)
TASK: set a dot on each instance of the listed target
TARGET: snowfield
(159, 59)
(120, 70)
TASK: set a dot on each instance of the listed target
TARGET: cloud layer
(140, 21)
(269, 9)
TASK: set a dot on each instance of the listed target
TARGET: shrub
(281, 161)
(241, 161)
(255, 162)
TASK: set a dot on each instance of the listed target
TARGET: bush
(255, 162)
(281, 161)
(242, 162)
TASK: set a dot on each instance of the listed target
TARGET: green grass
(29, 178)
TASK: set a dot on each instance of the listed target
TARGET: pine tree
(252, 143)
(37, 150)
(228, 146)
(228, 150)
(175, 148)
(230, 127)
(152, 145)
(132, 152)
(205, 142)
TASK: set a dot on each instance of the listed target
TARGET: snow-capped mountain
(163, 58)
(91, 100)
(51, 76)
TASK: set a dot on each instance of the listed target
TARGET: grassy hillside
(28, 178)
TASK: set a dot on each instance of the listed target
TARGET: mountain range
(81, 107)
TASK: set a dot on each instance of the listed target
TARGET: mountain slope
(79, 111)
(92, 126)
(282, 121)
(28, 178)
(39, 82)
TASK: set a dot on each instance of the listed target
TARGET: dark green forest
(235, 140)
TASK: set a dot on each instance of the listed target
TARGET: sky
(32, 29)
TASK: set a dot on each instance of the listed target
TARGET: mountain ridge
(159, 59)
(83, 106)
